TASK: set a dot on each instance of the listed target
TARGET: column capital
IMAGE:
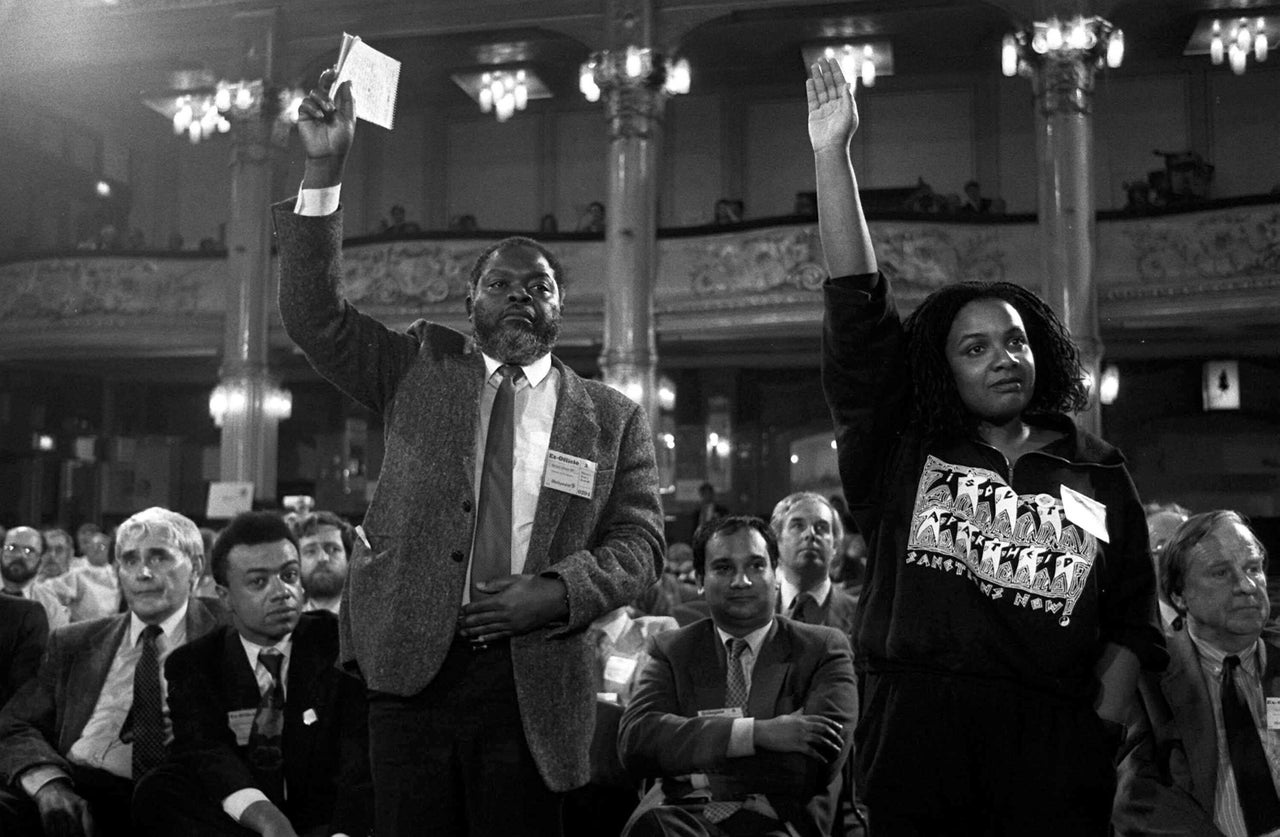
(1064, 85)
(633, 111)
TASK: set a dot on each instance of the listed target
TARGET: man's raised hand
(327, 126)
(833, 115)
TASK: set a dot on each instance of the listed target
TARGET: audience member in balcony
(58, 554)
(19, 567)
(269, 736)
(176, 242)
(592, 219)
(324, 542)
(744, 719)
(399, 225)
(548, 224)
(471, 585)
(1010, 600)
(73, 740)
(24, 629)
(728, 212)
(464, 223)
(1163, 519)
(1202, 744)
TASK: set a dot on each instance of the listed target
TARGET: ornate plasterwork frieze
(407, 274)
(758, 262)
(1226, 250)
(78, 287)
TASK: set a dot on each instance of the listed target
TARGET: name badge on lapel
(241, 723)
(570, 474)
(726, 712)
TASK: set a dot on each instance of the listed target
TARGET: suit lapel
(574, 431)
(238, 678)
(1183, 683)
(769, 674)
(88, 674)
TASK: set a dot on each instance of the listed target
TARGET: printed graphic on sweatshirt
(1020, 549)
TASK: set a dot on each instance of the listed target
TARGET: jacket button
(466, 505)
(458, 556)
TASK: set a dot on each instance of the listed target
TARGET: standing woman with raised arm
(1009, 600)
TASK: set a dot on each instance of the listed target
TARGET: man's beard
(17, 572)
(323, 583)
(515, 342)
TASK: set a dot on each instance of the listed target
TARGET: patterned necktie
(266, 747)
(735, 695)
(491, 555)
(148, 706)
(1254, 785)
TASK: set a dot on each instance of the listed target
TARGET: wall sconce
(502, 90)
(1220, 385)
(233, 397)
(666, 394)
(865, 60)
(1078, 38)
(1109, 388)
(1231, 38)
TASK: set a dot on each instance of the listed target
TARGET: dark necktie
(491, 555)
(1254, 785)
(266, 746)
(801, 611)
(148, 706)
(735, 696)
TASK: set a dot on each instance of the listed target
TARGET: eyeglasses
(15, 549)
(155, 561)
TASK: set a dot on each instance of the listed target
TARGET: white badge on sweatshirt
(570, 474)
(1085, 512)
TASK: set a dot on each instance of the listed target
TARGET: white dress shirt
(787, 592)
(742, 736)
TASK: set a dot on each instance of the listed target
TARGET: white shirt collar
(137, 626)
(614, 623)
(789, 591)
(533, 372)
(1212, 656)
(754, 639)
(252, 649)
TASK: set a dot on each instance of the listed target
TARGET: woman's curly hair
(937, 406)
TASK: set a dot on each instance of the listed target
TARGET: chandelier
(1231, 39)
(632, 67)
(234, 397)
(200, 105)
(1086, 39)
(502, 91)
(863, 60)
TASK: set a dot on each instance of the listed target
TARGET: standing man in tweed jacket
(471, 637)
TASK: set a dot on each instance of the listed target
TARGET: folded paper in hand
(373, 76)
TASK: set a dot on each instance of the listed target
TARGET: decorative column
(248, 401)
(1062, 59)
(635, 81)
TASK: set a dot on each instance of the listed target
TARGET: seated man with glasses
(19, 569)
(74, 740)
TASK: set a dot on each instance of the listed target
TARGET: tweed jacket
(403, 594)
(1168, 776)
(325, 740)
(807, 668)
(42, 721)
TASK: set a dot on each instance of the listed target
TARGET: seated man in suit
(269, 737)
(1202, 750)
(745, 719)
(73, 740)
(24, 630)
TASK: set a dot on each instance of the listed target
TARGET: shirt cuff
(317, 202)
(37, 777)
(742, 738)
(235, 804)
